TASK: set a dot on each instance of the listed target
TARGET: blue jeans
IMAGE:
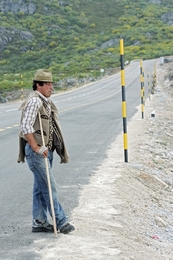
(41, 199)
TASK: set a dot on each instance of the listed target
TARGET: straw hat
(43, 75)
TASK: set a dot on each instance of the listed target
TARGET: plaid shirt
(30, 113)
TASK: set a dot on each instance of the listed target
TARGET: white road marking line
(11, 110)
(83, 95)
(8, 127)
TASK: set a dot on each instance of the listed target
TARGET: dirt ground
(126, 212)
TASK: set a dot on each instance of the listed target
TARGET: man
(31, 147)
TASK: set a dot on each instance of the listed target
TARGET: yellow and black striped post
(142, 89)
(123, 100)
(153, 83)
(149, 90)
(21, 85)
(154, 79)
(143, 86)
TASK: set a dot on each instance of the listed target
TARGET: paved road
(91, 117)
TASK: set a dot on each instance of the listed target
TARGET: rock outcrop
(17, 6)
(110, 43)
(3, 100)
(167, 18)
(8, 34)
(156, 2)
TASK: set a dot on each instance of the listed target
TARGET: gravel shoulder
(126, 210)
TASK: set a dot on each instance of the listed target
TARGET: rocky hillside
(78, 37)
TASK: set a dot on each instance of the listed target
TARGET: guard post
(142, 89)
(149, 91)
(123, 100)
(21, 85)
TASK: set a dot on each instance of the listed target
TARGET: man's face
(46, 89)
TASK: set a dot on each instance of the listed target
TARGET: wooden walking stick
(48, 179)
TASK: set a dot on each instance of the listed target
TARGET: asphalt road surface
(91, 117)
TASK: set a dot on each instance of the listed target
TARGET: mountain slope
(75, 37)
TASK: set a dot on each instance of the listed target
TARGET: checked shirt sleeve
(30, 114)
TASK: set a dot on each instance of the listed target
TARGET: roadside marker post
(143, 86)
(149, 90)
(142, 89)
(21, 84)
(123, 100)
